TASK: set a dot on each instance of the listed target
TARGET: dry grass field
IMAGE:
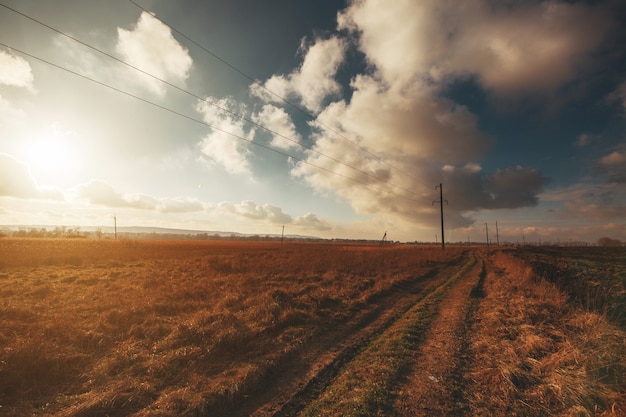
(102, 327)
(203, 328)
(537, 351)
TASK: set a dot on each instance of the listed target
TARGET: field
(197, 328)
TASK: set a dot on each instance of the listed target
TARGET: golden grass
(535, 354)
(148, 328)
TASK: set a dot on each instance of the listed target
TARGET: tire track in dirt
(434, 384)
(307, 375)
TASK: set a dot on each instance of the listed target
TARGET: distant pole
(497, 234)
(114, 226)
(282, 236)
(487, 231)
(441, 200)
(443, 240)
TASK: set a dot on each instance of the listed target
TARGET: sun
(51, 157)
(49, 154)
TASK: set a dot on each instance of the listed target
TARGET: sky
(336, 119)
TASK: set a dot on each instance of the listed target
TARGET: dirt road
(480, 337)
(426, 321)
(434, 384)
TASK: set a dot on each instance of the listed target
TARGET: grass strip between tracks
(363, 388)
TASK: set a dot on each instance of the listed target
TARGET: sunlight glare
(50, 155)
(51, 158)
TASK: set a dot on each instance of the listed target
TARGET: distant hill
(140, 232)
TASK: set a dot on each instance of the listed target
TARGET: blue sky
(335, 119)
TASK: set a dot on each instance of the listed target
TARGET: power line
(280, 97)
(200, 121)
(212, 103)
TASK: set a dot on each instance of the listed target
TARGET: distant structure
(383, 240)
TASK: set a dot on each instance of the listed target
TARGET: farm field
(197, 328)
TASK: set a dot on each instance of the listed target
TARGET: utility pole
(487, 231)
(114, 226)
(497, 234)
(441, 200)
(282, 236)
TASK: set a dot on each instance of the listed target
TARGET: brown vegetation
(537, 354)
(169, 328)
(197, 328)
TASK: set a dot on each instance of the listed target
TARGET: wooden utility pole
(487, 231)
(282, 236)
(497, 235)
(441, 200)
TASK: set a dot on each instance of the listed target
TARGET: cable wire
(212, 103)
(281, 98)
(126, 93)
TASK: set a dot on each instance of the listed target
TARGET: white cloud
(180, 205)
(614, 159)
(102, 193)
(313, 81)
(226, 144)
(151, 47)
(397, 111)
(310, 221)
(11, 118)
(274, 215)
(613, 165)
(226, 150)
(17, 181)
(251, 210)
(277, 120)
(509, 47)
(415, 133)
(15, 71)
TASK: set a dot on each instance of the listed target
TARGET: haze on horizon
(335, 120)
